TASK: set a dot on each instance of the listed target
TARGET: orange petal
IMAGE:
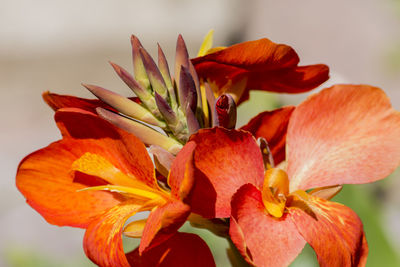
(333, 230)
(272, 125)
(180, 250)
(346, 134)
(224, 161)
(268, 66)
(48, 180)
(163, 222)
(103, 238)
(56, 101)
(261, 239)
(126, 152)
(45, 179)
(181, 176)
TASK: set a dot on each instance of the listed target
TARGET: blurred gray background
(56, 45)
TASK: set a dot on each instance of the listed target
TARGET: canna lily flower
(346, 134)
(183, 105)
(256, 65)
(97, 177)
(158, 105)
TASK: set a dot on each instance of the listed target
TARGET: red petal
(272, 125)
(128, 153)
(334, 231)
(224, 161)
(45, 179)
(268, 66)
(346, 134)
(164, 222)
(260, 238)
(180, 250)
(103, 238)
(56, 101)
(181, 176)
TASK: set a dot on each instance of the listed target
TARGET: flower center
(275, 190)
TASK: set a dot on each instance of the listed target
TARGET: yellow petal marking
(134, 192)
(96, 165)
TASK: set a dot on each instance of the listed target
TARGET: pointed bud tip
(135, 40)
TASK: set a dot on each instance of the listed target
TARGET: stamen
(266, 153)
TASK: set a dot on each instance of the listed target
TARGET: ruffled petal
(272, 125)
(180, 250)
(333, 230)
(103, 238)
(346, 134)
(224, 161)
(261, 239)
(163, 222)
(266, 65)
(125, 151)
(56, 101)
(50, 187)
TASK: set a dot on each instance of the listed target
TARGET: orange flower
(345, 134)
(97, 177)
(258, 65)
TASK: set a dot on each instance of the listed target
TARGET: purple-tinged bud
(138, 67)
(147, 135)
(124, 105)
(165, 109)
(129, 81)
(155, 77)
(226, 111)
(164, 69)
(192, 122)
(181, 57)
(187, 90)
(145, 96)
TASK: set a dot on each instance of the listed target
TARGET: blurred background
(56, 45)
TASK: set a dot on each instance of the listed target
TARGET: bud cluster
(179, 107)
